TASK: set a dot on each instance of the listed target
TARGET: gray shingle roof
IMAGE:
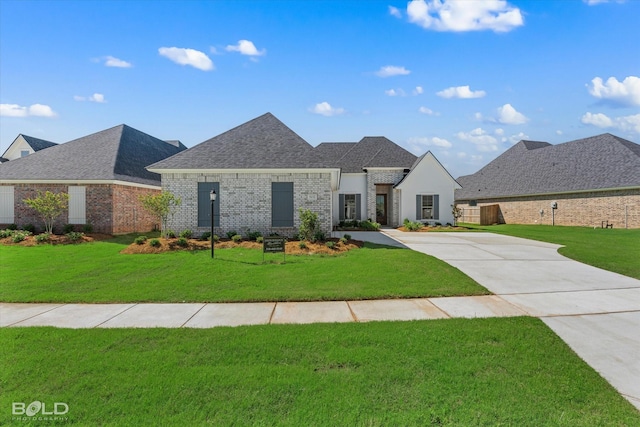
(530, 167)
(38, 144)
(262, 143)
(119, 153)
(370, 152)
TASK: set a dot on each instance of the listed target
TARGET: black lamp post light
(212, 196)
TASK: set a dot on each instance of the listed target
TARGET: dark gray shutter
(358, 208)
(418, 207)
(436, 206)
(204, 204)
(341, 205)
(282, 204)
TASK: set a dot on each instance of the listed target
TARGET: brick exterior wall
(245, 200)
(110, 208)
(393, 196)
(619, 207)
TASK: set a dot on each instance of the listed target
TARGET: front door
(381, 209)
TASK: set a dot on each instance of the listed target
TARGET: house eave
(79, 182)
(554, 193)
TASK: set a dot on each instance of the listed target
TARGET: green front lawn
(615, 249)
(508, 371)
(97, 272)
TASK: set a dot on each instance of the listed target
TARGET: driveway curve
(596, 312)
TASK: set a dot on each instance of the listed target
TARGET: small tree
(457, 213)
(308, 224)
(49, 206)
(160, 206)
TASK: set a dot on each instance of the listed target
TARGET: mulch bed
(292, 247)
(434, 229)
(55, 239)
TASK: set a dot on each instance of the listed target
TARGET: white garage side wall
(350, 183)
(428, 177)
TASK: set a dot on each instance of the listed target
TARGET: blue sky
(464, 79)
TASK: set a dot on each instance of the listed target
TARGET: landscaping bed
(435, 228)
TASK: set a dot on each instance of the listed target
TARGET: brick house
(103, 173)
(263, 173)
(591, 181)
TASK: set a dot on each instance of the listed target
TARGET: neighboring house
(103, 173)
(591, 181)
(24, 145)
(263, 173)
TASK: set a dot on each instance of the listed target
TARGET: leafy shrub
(347, 236)
(302, 244)
(344, 240)
(44, 237)
(438, 224)
(154, 242)
(231, 233)
(259, 239)
(171, 234)
(369, 225)
(237, 238)
(331, 244)
(449, 224)
(6, 233)
(186, 234)
(216, 238)
(318, 236)
(412, 225)
(68, 228)
(140, 240)
(253, 235)
(87, 228)
(19, 237)
(308, 224)
(30, 228)
(182, 242)
(205, 236)
(74, 236)
(12, 227)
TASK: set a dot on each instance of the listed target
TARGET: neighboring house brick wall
(384, 177)
(619, 207)
(245, 200)
(110, 209)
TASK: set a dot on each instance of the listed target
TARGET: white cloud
(392, 70)
(394, 11)
(559, 132)
(96, 97)
(111, 61)
(428, 111)
(418, 90)
(325, 109)
(509, 116)
(594, 2)
(394, 92)
(460, 92)
(37, 110)
(464, 15)
(625, 123)
(246, 47)
(514, 139)
(430, 142)
(499, 131)
(185, 56)
(626, 92)
(480, 138)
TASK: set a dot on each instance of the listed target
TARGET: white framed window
(349, 205)
(77, 205)
(427, 207)
(24, 153)
(6, 205)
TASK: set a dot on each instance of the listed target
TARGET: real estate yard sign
(272, 244)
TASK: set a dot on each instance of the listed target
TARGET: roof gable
(598, 162)
(424, 161)
(118, 153)
(262, 143)
(38, 144)
(370, 152)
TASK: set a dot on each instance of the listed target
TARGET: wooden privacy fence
(483, 215)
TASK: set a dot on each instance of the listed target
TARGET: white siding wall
(428, 177)
(77, 205)
(16, 148)
(351, 183)
(6, 205)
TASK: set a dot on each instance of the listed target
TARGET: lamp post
(212, 196)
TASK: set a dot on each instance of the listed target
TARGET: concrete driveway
(596, 312)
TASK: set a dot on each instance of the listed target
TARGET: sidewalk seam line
(353, 315)
(116, 315)
(197, 311)
(273, 311)
(36, 315)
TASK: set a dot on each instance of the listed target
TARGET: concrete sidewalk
(202, 315)
(596, 312)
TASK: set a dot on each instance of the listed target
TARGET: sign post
(273, 244)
